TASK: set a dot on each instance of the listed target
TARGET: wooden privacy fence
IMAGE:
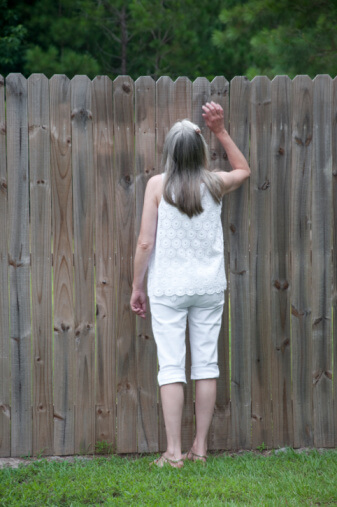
(76, 366)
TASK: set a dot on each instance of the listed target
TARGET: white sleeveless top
(188, 257)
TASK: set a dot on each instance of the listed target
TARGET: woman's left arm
(145, 244)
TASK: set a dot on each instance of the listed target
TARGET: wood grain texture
(334, 251)
(260, 276)
(301, 260)
(321, 261)
(83, 213)
(19, 264)
(280, 262)
(40, 206)
(105, 426)
(220, 430)
(239, 275)
(5, 421)
(182, 108)
(62, 230)
(164, 121)
(123, 89)
(145, 132)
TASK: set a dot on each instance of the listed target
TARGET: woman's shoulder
(155, 186)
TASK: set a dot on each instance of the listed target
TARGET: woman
(181, 242)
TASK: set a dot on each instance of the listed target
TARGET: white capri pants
(169, 315)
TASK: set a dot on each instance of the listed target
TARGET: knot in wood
(3, 186)
(281, 150)
(127, 179)
(281, 285)
(81, 115)
(232, 228)
(126, 87)
(213, 155)
(264, 185)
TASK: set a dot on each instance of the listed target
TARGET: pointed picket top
(103, 78)
(281, 78)
(184, 79)
(16, 84)
(145, 79)
(37, 76)
(200, 81)
(164, 79)
(219, 87)
(59, 77)
(239, 79)
(322, 77)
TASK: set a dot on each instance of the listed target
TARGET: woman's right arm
(214, 118)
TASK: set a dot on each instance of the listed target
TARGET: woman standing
(181, 242)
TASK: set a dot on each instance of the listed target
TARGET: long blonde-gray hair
(186, 164)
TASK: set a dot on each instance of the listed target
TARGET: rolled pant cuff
(204, 372)
(171, 376)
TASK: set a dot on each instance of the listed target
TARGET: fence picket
(105, 415)
(321, 262)
(260, 225)
(334, 250)
(5, 421)
(40, 206)
(220, 431)
(182, 108)
(145, 121)
(83, 204)
(280, 262)
(19, 264)
(164, 121)
(62, 230)
(123, 88)
(301, 260)
(239, 275)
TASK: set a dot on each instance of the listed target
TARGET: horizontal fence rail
(77, 368)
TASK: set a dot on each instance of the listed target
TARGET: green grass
(286, 478)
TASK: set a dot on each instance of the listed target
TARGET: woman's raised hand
(214, 117)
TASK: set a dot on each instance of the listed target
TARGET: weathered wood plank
(145, 121)
(83, 204)
(334, 251)
(40, 206)
(182, 108)
(280, 262)
(239, 275)
(301, 260)
(123, 88)
(105, 426)
(19, 264)
(62, 230)
(321, 262)
(164, 121)
(220, 431)
(5, 439)
(260, 275)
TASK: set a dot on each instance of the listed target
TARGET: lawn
(247, 478)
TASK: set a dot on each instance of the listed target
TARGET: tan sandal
(164, 460)
(192, 456)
